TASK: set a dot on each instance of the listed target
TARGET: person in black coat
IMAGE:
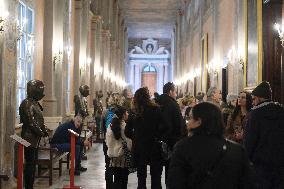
(205, 159)
(145, 128)
(172, 115)
(264, 138)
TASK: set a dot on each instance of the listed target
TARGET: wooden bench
(4, 177)
(46, 159)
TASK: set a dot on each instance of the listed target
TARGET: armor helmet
(84, 90)
(35, 89)
(100, 94)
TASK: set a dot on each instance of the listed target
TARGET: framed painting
(253, 43)
(203, 63)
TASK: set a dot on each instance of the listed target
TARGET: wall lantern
(279, 29)
(3, 16)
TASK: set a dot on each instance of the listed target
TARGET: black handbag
(165, 150)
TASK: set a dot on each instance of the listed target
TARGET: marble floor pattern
(93, 178)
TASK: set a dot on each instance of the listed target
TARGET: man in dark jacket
(264, 138)
(62, 141)
(176, 128)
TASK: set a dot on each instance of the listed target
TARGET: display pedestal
(22, 143)
(73, 137)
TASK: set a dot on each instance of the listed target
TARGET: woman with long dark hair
(145, 130)
(206, 159)
(237, 120)
(119, 147)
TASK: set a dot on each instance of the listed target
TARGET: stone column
(131, 77)
(172, 67)
(113, 63)
(160, 73)
(93, 57)
(49, 101)
(166, 76)
(98, 52)
(8, 83)
(66, 57)
(84, 43)
(137, 77)
(77, 42)
(105, 58)
(61, 14)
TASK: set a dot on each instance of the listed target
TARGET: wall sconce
(279, 29)
(69, 50)
(57, 58)
(212, 67)
(2, 20)
(241, 63)
(225, 62)
(98, 69)
(88, 61)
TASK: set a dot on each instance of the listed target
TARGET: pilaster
(105, 58)
(77, 46)
(97, 21)
(8, 84)
(50, 61)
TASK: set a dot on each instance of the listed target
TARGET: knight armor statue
(33, 127)
(98, 104)
(98, 111)
(80, 101)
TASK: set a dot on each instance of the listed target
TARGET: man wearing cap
(264, 138)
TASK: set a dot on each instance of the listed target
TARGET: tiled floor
(93, 178)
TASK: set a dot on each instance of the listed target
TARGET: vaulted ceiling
(150, 18)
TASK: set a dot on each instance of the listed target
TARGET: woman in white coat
(119, 147)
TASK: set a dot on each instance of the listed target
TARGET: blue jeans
(66, 147)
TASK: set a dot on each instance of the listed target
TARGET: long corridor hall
(158, 88)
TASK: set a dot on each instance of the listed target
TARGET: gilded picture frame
(203, 63)
(253, 43)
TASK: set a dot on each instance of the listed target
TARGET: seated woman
(206, 159)
(237, 120)
(118, 150)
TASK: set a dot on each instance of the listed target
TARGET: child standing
(118, 149)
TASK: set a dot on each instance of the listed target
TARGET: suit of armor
(98, 111)
(80, 101)
(33, 127)
(98, 105)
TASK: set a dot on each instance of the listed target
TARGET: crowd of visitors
(201, 141)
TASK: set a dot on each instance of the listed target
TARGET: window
(149, 69)
(25, 50)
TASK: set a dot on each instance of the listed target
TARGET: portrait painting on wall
(204, 72)
(252, 44)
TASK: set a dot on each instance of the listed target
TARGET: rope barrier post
(22, 143)
(73, 137)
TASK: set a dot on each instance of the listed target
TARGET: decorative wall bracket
(3, 20)
(241, 64)
(279, 29)
(57, 59)
(1, 25)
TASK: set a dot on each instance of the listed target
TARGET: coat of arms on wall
(149, 46)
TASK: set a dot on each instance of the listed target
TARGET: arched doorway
(149, 79)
